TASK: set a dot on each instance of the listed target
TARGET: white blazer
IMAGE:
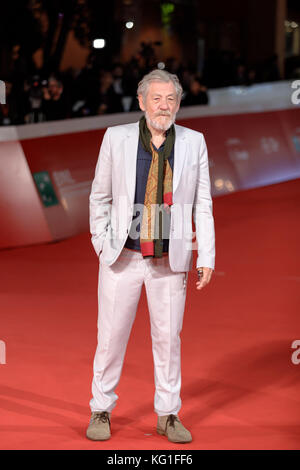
(113, 190)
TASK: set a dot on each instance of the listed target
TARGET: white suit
(113, 189)
(122, 272)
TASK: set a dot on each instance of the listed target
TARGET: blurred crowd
(95, 90)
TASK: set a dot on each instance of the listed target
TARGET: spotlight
(129, 24)
(99, 43)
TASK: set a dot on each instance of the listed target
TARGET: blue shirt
(142, 170)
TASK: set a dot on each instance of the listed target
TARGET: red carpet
(240, 389)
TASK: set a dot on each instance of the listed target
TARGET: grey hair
(158, 75)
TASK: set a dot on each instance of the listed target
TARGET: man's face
(54, 88)
(160, 105)
(195, 87)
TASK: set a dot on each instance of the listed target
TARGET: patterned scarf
(158, 192)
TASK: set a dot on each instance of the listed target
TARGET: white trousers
(119, 290)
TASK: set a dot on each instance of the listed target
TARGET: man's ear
(141, 103)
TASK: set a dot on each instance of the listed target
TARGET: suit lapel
(180, 148)
(130, 155)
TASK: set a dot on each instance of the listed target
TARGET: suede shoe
(99, 427)
(171, 426)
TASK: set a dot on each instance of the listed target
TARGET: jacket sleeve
(202, 212)
(101, 195)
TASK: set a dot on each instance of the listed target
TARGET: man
(162, 169)
(54, 102)
(196, 94)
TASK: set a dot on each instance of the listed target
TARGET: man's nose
(164, 105)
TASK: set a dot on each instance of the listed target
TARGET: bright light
(161, 65)
(99, 43)
(129, 24)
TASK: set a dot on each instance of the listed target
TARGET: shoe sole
(93, 439)
(162, 433)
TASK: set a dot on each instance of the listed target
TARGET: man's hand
(46, 94)
(204, 278)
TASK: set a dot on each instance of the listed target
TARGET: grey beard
(160, 127)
